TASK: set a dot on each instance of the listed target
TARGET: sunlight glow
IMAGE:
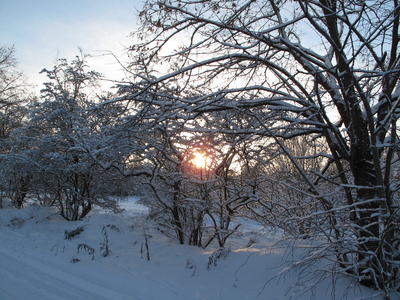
(199, 160)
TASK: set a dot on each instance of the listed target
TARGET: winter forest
(280, 113)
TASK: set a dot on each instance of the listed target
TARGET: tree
(14, 92)
(176, 198)
(340, 82)
(64, 152)
(14, 98)
(182, 196)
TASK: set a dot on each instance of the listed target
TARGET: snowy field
(126, 257)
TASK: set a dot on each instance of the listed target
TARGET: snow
(37, 262)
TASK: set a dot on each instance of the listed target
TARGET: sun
(199, 160)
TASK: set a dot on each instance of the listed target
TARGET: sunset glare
(199, 160)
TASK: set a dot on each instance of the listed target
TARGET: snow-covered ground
(38, 262)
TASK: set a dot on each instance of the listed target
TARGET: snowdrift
(108, 256)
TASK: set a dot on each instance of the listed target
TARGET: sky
(44, 30)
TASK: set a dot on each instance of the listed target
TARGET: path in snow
(30, 271)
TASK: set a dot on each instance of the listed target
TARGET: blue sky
(44, 30)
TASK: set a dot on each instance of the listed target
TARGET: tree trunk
(371, 255)
(176, 216)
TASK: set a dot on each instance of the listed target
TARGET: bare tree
(63, 152)
(14, 97)
(14, 92)
(296, 68)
